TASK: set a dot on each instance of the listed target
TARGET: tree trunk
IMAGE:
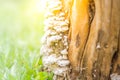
(94, 39)
(86, 33)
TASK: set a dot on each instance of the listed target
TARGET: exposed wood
(102, 42)
(116, 57)
(93, 44)
(86, 33)
(79, 32)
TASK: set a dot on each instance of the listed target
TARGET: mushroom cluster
(55, 40)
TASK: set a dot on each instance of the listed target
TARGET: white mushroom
(48, 60)
(62, 14)
(63, 63)
(64, 51)
(55, 38)
(60, 71)
(55, 42)
(65, 56)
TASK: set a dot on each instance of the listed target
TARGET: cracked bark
(94, 39)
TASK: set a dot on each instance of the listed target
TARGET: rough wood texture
(116, 58)
(94, 39)
(78, 33)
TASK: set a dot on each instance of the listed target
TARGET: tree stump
(94, 51)
(92, 35)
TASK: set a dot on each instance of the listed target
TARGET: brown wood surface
(94, 38)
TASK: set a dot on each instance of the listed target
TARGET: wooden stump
(94, 39)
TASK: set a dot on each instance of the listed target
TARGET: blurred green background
(21, 28)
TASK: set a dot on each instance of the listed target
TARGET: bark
(94, 39)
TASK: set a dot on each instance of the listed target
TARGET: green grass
(20, 43)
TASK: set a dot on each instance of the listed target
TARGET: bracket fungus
(55, 40)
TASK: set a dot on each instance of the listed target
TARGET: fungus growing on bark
(55, 40)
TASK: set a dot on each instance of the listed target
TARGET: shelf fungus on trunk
(55, 40)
